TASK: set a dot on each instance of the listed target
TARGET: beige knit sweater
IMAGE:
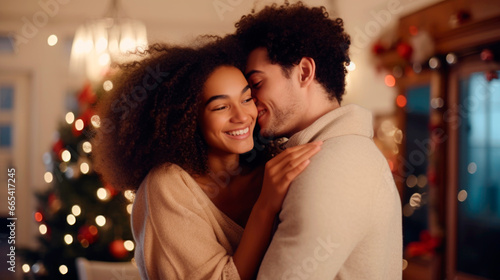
(341, 218)
(179, 232)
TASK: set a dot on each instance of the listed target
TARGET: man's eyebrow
(247, 75)
(222, 96)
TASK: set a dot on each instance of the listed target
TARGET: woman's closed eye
(219, 108)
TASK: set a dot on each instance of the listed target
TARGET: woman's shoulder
(169, 179)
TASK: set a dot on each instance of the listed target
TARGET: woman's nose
(239, 114)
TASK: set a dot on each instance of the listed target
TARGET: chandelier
(100, 42)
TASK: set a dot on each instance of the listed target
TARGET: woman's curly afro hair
(151, 115)
(291, 32)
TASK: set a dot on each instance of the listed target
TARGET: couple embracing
(325, 207)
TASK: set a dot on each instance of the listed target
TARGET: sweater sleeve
(179, 241)
(326, 214)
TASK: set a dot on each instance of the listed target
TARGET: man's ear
(307, 71)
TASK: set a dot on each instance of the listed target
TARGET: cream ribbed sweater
(341, 218)
(179, 232)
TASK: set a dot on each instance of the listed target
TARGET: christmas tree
(79, 215)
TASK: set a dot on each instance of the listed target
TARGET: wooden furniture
(461, 32)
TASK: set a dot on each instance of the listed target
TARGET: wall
(169, 21)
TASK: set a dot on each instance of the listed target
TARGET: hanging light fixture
(99, 42)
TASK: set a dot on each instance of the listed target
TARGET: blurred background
(427, 69)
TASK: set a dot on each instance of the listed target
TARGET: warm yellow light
(422, 180)
(48, 177)
(87, 147)
(66, 156)
(416, 200)
(129, 245)
(129, 195)
(43, 229)
(107, 85)
(26, 268)
(96, 121)
(63, 269)
(127, 44)
(52, 40)
(79, 124)
(68, 239)
(84, 168)
(71, 219)
(351, 66)
(70, 117)
(104, 59)
(411, 181)
(76, 210)
(103, 194)
(100, 220)
(462, 195)
(101, 44)
(129, 208)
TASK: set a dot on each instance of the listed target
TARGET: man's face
(278, 100)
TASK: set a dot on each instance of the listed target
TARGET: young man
(341, 218)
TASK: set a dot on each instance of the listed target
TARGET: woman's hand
(281, 171)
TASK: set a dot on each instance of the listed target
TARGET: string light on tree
(79, 125)
(68, 239)
(87, 147)
(128, 194)
(107, 85)
(100, 220)
(76, 210)
(43, 229)
(66, 156)
(71, 219)
(63, 269)
(48, 177)
(96, 121)
(103, 194)
(70, 117)
(84, 168)
(129, 245)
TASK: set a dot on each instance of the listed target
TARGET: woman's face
(228, 112)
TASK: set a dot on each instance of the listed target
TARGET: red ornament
(88, 234)
(87, 95)
(117, 249)
(86, 116)
(487, 55)
(490, 75)
(378, 48)
(58, 148)
(425, 246)
(112, 191)
(404, 50)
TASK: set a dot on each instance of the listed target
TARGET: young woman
(173, 130)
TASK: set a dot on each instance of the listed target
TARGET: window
(478, 223)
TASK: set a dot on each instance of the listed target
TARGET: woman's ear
(307, 68)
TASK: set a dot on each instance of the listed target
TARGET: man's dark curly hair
(291, 32)
(151, 115)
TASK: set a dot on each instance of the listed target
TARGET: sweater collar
(346, 120)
